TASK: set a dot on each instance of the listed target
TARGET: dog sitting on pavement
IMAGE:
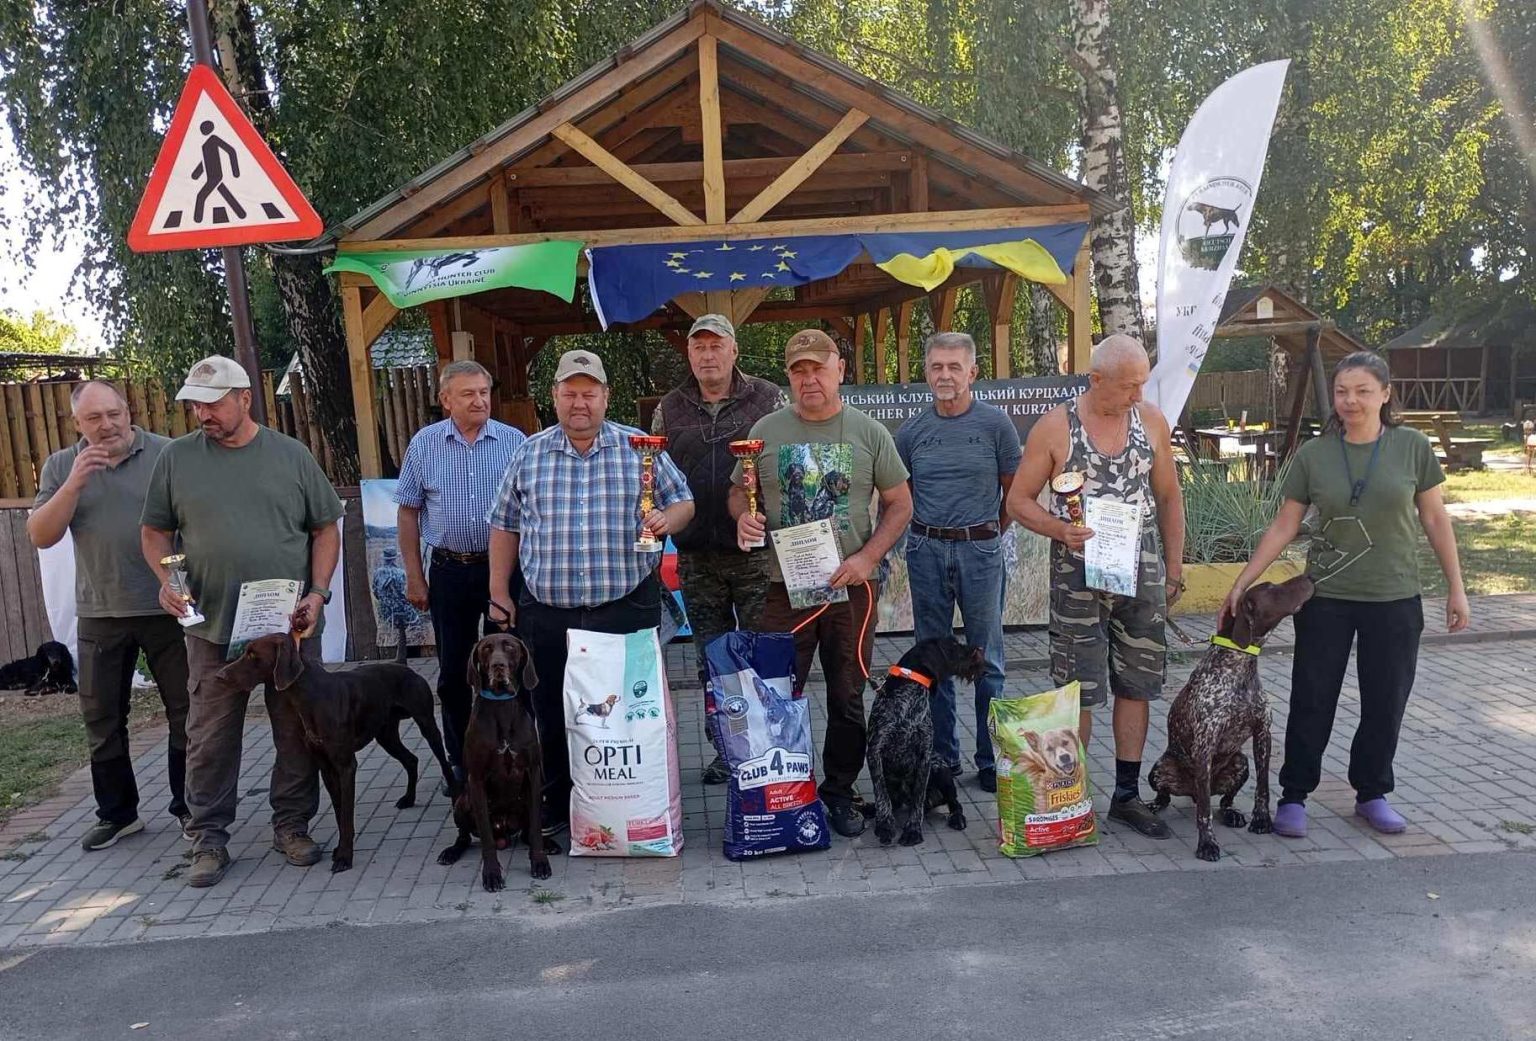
(503, 765)
(902, 766)
(50, 671)
(1222, 708)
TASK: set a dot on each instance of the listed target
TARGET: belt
(975, 533)
(440, 556)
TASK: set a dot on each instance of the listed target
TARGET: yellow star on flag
(737, 276)
(703, 274)
(756, 249)
(787, 254)
(677, 256)
(781, 266)
(724, 247)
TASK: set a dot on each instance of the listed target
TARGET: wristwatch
(323, 594)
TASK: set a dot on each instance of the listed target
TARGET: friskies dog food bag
(1043, 801)
(764, 733)
(622, 735)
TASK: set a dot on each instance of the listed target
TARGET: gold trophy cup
(647, 446)
(1069, 485)
(747, 452)
(176, 577)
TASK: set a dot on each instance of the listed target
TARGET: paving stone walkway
(1466, 780)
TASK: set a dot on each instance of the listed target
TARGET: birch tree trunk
(1113, 235)
(1043, 331)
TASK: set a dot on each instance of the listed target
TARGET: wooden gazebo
(1479, 362)
(711, 126)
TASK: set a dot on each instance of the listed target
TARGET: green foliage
(39, 334)
(1226, 510)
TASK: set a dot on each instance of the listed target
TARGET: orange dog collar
(908, 674)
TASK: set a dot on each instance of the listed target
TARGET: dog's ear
(1245, 624)
(1033, 739)
(289, 667)
(472, 670)
(530, 674)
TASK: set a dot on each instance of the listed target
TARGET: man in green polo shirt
(249, 504)
(94, 490)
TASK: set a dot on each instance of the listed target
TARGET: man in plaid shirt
(566, 518)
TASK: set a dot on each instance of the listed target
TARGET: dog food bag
(1043, 800)
(621, 730)
(764, 732)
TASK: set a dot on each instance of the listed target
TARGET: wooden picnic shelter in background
(711, 126)
(1482, 362)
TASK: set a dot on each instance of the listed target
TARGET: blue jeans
(971, 574)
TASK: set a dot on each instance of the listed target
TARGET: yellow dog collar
(1222, 641)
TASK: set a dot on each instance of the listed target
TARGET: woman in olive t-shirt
(1373, 483)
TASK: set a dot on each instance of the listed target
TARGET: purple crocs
(1291, 820)
(1381, 816)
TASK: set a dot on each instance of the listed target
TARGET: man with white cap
(567, 516)
(248, 504)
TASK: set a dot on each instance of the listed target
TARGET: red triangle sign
(215, 182)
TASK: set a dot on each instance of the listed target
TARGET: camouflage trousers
(1109, 643)
(722, 590)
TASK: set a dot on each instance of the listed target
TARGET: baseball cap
(809, 343)
(580, 363)
(212, 378)
(718, 324)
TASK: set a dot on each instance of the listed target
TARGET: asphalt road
(1337, 952)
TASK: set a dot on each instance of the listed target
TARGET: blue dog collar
(491, 695)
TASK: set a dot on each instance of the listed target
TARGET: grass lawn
(1496, 556)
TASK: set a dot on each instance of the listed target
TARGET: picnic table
(1456, 453)
(1264, 445)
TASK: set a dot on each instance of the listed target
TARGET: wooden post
(361, 369)
(919, 181)
(16, 417)
(882, 327)
(1480, 395)
(1000, 293)
(1298, 406)
(1320, 386)
(904, 340)
(1080, 314)
(941, 304)
(713, 131)
(860, 328)
(9, 489)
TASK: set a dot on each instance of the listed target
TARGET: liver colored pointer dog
(1220, 709)
(902, 766)
(502, 795)
(343, 713)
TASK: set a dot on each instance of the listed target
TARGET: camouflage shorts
(722, 590)
(1104, 640)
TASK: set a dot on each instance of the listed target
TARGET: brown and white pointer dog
(342, 713)
(505, 772)
(1220, 709)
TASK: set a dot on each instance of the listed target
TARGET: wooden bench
(1454, 453)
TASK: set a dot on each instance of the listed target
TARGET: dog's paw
(450, 855)
(1232, 818)
(340, 862)
(912, 837)
(405, 802)
(1208, 850)
(885, 832)
(1262, 823)
(957, 821)
(490, 878)
(539, 868)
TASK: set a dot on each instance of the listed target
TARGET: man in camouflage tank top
(1120, 444)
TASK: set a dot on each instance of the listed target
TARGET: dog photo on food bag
(1043, 801)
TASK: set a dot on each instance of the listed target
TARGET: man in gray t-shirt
(962, 454)
(94, 490)
(249, 504)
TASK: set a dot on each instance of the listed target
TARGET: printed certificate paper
(1111, 557)
(264, 607)
(808, 556)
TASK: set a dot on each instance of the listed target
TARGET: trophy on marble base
(649, 446)
(176, 578)
(747, 452)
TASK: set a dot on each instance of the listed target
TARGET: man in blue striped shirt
(566, 518)
(447, 482)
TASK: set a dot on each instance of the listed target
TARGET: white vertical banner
(1212, 185)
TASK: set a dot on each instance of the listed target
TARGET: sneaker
(297, 846)
(1134, 813)
(208, 866)
(716, 772)
(185, 820)
(1381, 816)
(105, 834)
(986, 779)
(1291, 820)
(845, 819)
(553, 828)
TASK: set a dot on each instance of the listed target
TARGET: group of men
(537, 533)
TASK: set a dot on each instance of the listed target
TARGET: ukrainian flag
(927, 259)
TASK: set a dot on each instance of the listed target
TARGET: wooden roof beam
(801, 169)
(625, 175)
(745, 169)
(713, 131)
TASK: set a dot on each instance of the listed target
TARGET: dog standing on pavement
(1222, 708)
(505, 772)
(343, 713)
(902, 766)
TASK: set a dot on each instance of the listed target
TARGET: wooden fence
(1247, 389)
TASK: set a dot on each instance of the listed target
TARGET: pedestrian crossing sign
(216, 182)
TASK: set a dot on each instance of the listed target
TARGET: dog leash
(858, 647)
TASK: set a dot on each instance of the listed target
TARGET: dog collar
(491, 695)
(908, 674)
(1222, 641)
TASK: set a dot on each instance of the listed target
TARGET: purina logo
(640, 689)
(1210, 219)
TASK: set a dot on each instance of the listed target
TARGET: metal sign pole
(234, 258)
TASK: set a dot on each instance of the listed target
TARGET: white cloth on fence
(57, 567)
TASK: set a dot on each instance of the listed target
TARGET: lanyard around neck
(1357, 488)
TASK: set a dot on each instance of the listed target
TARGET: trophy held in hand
(747, 452)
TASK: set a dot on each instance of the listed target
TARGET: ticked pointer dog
(902, 766)
(502, 794)
(1221, 709)
(342, 713)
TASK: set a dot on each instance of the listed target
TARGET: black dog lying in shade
(50, 671)
(902, 766)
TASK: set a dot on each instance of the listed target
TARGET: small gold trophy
(176, 578)
(747, 452)
(1069, 485)
(648, 446)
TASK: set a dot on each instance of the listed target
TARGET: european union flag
(630, 282)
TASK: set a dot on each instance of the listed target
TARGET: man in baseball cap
(212, 378)
(582, 363)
